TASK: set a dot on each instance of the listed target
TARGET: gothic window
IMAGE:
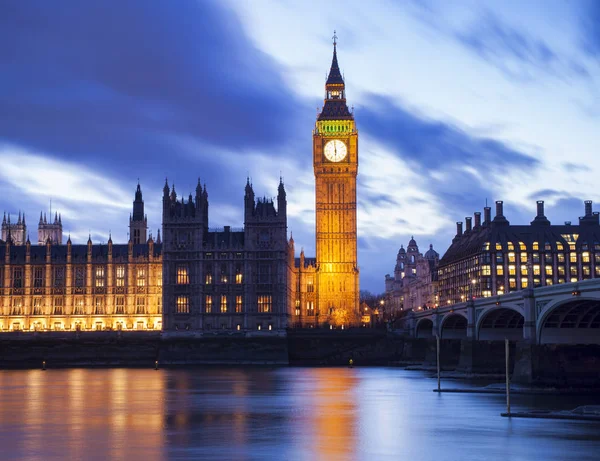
(223, 304)
(58, 306)
(99, 276)
(208, 277)
(98, 306)
(59, 277)
(238, 304)
(183, 275)
(37, 306)
(38, 277)
(238, 278)
(412, 258)
(159, 278)
(265, 303)
(120, 273)
(17, 277)
(208, 304)
(79, 276)
(223, 273)
(141, 277)
(79, 305)
(119, 305)
(310, 308)
(140, 305)
(17, 306)
(310, 287)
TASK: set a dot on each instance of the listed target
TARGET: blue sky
(455, 102)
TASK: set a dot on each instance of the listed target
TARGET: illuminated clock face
(335, 150)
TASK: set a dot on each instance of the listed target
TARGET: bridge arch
(454, 326)
(572, 320)
(424, 328)
(499, 323)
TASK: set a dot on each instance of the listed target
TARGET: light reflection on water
(282, 413)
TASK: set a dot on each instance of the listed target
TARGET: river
(274, 413)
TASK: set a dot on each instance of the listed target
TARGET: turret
(281, 201)
(138, 223)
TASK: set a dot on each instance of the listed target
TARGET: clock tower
(335, 160)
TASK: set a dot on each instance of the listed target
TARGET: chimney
(458, 229)
(468, 224)
(499, 209)
(588, 208)
(487, 215)
(477, 219)
(540, 218)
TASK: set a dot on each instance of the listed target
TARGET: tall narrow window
(17, 277)
(78, 309)
(141, 277)
(38, 277)
(310, 308)
(17, 306)
(183, 305)
(264, 303)
(59, 277)
(238, 276)
(120, 272)
(223, 304)
(119, 305)
(208, 304)
(140, 305)
(79, 276)
(238, 304)
(99, 274)
(58, 306)
(98, 306)
(37, 306)
(223, 273)
(182, 275)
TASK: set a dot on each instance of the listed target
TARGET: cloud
(590, 22)
(106, 82)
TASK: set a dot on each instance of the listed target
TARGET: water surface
(280, 413)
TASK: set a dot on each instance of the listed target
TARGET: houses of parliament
(196, 278)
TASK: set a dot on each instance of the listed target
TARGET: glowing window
(208, 304)
(183, 305)
(183, 276)
(120, 272)
(223, 304)
(264, 303)
(238, 304)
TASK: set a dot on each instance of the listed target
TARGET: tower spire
(335, 76)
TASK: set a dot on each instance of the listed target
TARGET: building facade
(327, 287)
(225, 279)
(494, 257)
(414, 283)
(52, 286)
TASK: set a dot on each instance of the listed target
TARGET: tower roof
(335, 76)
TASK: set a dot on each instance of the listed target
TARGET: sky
(456, 103)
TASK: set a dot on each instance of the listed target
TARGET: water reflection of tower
(332, 410)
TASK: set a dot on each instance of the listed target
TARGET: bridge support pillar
(471, 322)
(409, 325)
(529, 324)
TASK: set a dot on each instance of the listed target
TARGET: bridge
(568, 313)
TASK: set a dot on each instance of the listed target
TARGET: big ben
(335, 160)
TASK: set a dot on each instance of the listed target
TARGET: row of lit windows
(78, 306)
(183, 276)
(79, 275)
(571, 240)
(183, 304)
(97, 326)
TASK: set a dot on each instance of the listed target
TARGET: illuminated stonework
(334, 272)
(81, 287)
